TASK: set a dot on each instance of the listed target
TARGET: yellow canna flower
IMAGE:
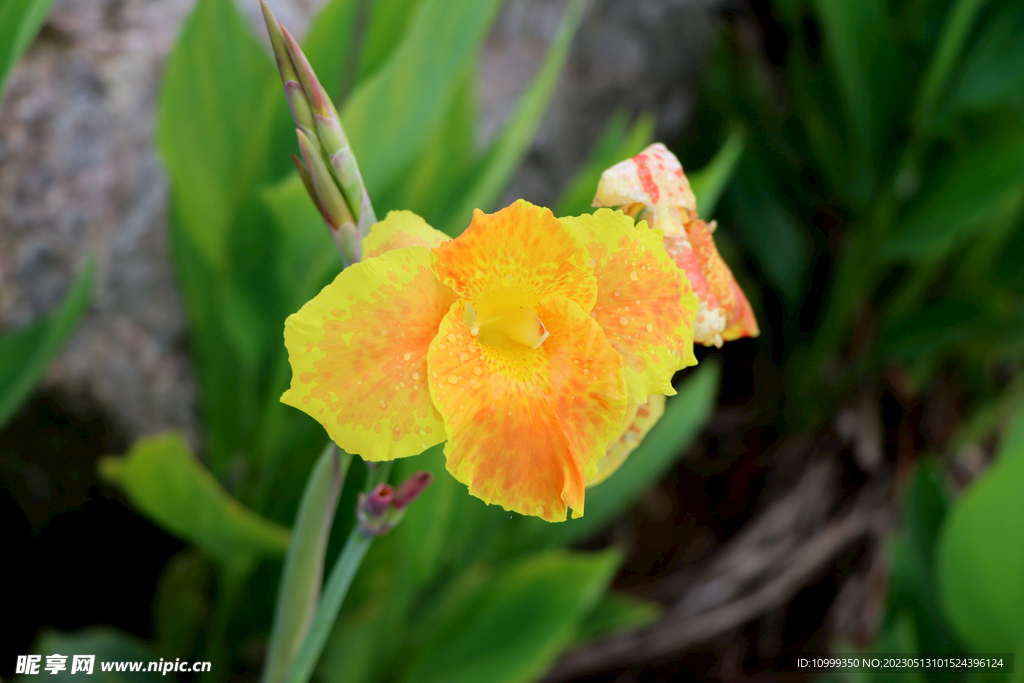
(522, 343)
(652, 185)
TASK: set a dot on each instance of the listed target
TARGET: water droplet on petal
(423, 432)
(451, 337)
(423, 444)
(617, 293)
(586, 371)
(624, 321)
(650, 327)
(633, 275)
(415, 375)
(452, 379)
(477, 371)
(383, 404)
(407, 356)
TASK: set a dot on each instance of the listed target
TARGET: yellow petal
(644, 301)
(400, 229)
(527, 426)
(639, 420)
(516, 258)
(358, 355)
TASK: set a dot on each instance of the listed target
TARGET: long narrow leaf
(514, 141)
(215, 117)
(25, 354)
(710, 182)
(388, 118)
(20, 21)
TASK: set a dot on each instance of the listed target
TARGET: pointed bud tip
(411, 488)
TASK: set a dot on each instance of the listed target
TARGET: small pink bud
(411, 488)
(379, 500)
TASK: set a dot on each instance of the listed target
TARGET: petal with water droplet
(548, 262)
(349, 375)
(654, 336)
(557, 416)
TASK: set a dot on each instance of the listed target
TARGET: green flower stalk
(327, 167)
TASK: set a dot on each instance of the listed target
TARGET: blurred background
(866, 166)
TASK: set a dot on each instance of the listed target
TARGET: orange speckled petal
(358, 355)
(742, 322)
(525, 426)
(736, 311)
(639, 420)
(711, 317)
(400, 229)
(645, 304)
(518, 257)
(650, 184)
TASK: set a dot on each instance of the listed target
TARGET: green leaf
(685, 415)
(220, 97)
(107, 644)
(776, 237)
(980, 559)
(25, 354)
(710, 182)
(616, 143)
(388, 23)
(181, 604)
(912, 592)
(388, 118)
(512, 143)
(936, 325)
(978, 189)
(898, 636)
(518, 623)
(865, 56)
(20, 21)
(617, 612)
(992, 71)
(165, 481)
(306, 258)
(437, 176)
(955, 31)
(1012, 443)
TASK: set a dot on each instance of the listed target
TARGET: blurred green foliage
(26, 353)
(881, 195)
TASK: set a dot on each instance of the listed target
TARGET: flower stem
(304, 566)
(335, 590)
